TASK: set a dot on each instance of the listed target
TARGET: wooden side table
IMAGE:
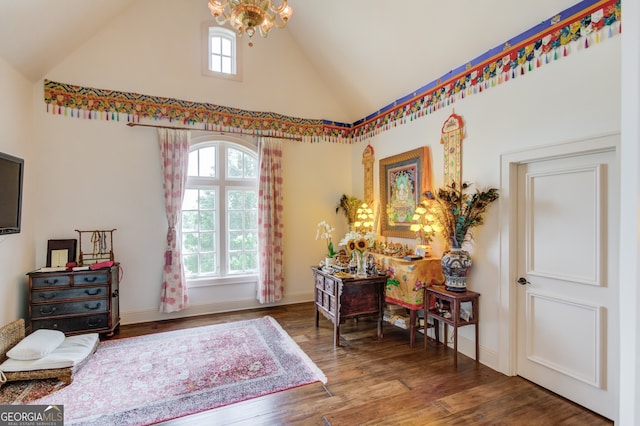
(443, 305)
(338, 299)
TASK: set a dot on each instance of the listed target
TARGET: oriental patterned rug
(154, 378)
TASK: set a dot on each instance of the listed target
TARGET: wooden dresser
(75, 302)
(339, 299)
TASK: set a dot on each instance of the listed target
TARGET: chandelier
(247, 15)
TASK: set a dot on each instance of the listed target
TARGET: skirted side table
(405, 279)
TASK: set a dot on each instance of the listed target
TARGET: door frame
(507, 292)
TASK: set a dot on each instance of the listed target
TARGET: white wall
(141, 52)
(112, 175)
(573, 98)
(17, 139)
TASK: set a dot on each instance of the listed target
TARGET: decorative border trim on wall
(576, 28)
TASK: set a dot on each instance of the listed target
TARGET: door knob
(523, 281)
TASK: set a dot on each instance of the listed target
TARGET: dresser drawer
(68, 293)
(50, 281)
(70, 325)
(320, 282)
(68, 308)
(90, 278)
(325, 283)
(329, 285)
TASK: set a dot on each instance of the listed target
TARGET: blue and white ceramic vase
(456, 264)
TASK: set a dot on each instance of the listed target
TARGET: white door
(567, 339)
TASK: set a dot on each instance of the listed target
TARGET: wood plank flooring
(380, 382)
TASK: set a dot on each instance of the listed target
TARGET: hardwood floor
(380, 382)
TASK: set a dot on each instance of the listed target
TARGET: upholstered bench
(44, 354)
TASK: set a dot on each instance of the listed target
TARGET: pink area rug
(153, 378)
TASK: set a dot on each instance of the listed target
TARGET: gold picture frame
(404, 178)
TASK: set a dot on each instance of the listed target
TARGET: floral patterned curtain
(270, 222)
(174, 150)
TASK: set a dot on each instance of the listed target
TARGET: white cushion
(70, 353)
(36, 345)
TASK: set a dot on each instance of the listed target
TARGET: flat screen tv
(11, 173)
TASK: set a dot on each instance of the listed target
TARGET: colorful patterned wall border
(91, 103)
(578, 27)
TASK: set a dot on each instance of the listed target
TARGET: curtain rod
(206, 130)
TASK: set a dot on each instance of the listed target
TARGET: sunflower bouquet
(354, 241)
(357, 244)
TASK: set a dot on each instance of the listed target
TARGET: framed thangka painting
(404, 178)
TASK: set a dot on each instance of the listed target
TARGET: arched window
(219, 225)
(220, 51)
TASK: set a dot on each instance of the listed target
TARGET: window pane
(190, 201)
(252, 261)
(207, 199)
(206, 242)
(250, 220)
(208, 162)
(251, 241)
(207, 263)
(235, 220)
(207, 220)
(235, 200)
(215, 63)
(216, 47)
(250, 200)
(236, 263)
(226, 47)
(190, 242)
(236, 240)
(226, 65)
(193, 163)
(189, 220)
(234, 163)
(190, 263)
(250, 167)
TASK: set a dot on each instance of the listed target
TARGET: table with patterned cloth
(405, 279)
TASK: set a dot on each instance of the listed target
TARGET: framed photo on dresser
(60, 252)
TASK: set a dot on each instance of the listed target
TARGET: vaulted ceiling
(369, 52)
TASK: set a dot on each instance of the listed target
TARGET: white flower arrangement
(324, 232)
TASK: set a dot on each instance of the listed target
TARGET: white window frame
(209, 30)
(221, 184)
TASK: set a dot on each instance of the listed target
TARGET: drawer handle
(54, 281)
(93, 292)
(94, 322)
(48, 296)
(90, 279)
(45, 312)
(92, 308)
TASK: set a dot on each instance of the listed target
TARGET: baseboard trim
(467, 347)
(150, 315)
